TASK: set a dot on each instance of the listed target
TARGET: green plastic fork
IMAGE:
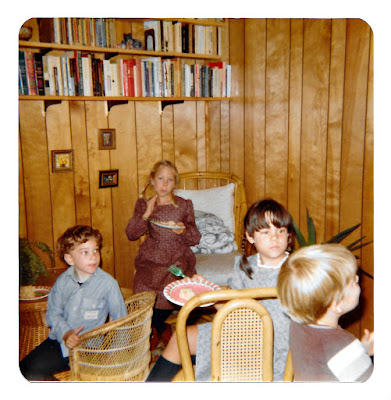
(176, 271)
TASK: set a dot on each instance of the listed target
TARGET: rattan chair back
(118, 350)
(242, 336)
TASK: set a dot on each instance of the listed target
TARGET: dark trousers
(44, 361)
(158, 318)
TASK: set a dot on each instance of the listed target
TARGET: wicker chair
(242, 337)
(118, 350)
(33, 329)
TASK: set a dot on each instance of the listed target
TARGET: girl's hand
(150, 206)
(368, 341)
(71, 338)
(180, 231)
(197, 277)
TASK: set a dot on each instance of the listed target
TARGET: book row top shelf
(111, 51)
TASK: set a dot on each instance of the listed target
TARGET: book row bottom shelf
(77, 74)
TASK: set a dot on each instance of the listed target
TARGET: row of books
(77, 74)
(169, 36)
(175, 36)
(97, 32)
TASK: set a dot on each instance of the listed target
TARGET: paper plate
(158, 223)
(175, 290)
(40, 292)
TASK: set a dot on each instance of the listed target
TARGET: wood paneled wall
(298, 128)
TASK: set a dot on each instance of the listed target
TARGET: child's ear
(249, 238)
(337, 307)
(68, 259)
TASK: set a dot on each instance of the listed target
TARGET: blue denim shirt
(71, 305)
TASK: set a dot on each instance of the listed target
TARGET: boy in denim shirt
(80, 300)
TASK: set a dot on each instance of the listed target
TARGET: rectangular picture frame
(62, 160)
(108, 178)
(107, 139)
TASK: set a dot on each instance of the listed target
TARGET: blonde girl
(163, 246)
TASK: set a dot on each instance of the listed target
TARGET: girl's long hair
(256, 219)
(154, 170)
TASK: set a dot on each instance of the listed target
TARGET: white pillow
(216, 237)
(218, 201)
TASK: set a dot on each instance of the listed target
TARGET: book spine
(23, 87)
(30, 70)
(39, 74)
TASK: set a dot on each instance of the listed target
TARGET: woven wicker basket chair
(33, 329)
(118, 350)
(242, 337)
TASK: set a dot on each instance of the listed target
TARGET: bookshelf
(177, 67)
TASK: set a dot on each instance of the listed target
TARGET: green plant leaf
(342, 235)
(299, 236)
(311, 230)
(359, 246)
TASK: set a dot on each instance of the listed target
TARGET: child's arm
(55, 314)
(191, 235)
(137, 226)
(368, 341)
(71, 338)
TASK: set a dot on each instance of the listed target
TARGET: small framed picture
(62, 160)
(108, 178)
(106, 139)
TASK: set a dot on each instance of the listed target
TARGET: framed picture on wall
(62, 160)
(106, 139)
(108, 178)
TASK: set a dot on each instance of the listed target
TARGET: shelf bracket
(165, 103)
(112, 103)
(49, 103)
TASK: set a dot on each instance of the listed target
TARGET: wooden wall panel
(21, 197)
(354, 120)
(124, 197)
(36, 166)
(277, 96)
(316, 61)
(294, 118)
(237, 45)
(185, 136)
(148, 138)
(334, 136)
(61, 183)
(255, 110)
(81, 173)
(101, 199)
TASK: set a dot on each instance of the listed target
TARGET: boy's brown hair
(312, 278)
(77, 235)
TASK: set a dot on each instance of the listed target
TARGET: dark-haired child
(269, 227)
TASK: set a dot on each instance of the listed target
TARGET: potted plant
(31, 263)
(335, 239)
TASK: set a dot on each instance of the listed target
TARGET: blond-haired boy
(316, 286)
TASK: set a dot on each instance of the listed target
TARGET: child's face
(164, 182)
(271, 244)
(85, 258)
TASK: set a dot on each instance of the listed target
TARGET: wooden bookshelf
(116, 53)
